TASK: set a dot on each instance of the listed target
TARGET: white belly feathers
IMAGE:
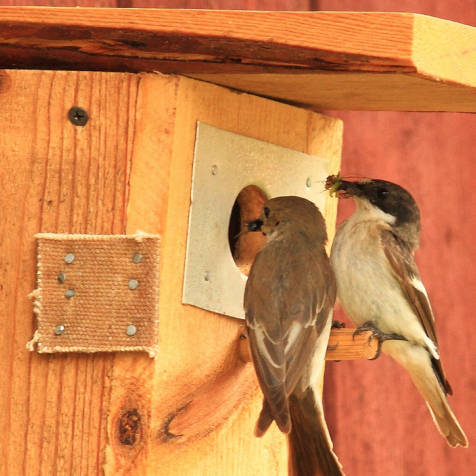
(366, 286)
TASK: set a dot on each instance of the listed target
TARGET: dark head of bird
(392, 199)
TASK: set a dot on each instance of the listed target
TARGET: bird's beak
(349, 189)
(255, 225)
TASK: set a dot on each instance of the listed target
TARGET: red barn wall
(379, 423)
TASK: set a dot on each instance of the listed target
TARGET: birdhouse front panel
(113, 153)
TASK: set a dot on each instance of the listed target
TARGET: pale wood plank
(374, 41)
(61, 414)
(133, 385)
(335, 60)
(56, 177)
(444, 50)
(204, 395)
(354, 90)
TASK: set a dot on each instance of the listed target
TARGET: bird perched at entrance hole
(288, 303)
(379, 287)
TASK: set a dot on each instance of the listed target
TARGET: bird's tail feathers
(417, 361)
(264, 420)
(445, 420)
(310, 445)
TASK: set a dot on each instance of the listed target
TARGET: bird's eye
(266, 212)
(382, 193)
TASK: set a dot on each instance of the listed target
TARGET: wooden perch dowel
(329, 60)
(212, 404)
(343, 345)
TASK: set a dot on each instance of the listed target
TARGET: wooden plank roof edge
(185, 41)
(444, 50)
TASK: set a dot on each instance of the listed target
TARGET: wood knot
(130, 427)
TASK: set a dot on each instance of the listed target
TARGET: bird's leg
(378, 334)
(337, 325)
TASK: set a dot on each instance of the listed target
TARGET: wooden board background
(324, 60)
(193, 410)
(56, 178)
(380, 427)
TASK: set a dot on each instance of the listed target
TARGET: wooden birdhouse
(135, 146)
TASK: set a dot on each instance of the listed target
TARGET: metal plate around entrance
(225, 163)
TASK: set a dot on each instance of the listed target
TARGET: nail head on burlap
(92, 290)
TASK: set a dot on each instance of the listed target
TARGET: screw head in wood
(78, 116)
(61, 277)
(70, 293)
(59, 329)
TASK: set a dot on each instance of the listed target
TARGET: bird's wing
(284, 308)
(403, 265)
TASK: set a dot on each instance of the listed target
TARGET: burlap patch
(97, 293)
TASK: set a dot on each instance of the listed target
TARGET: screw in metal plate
(214, 170)
(61, 277)
(137, 258)
(70, 293)
(78, 116)
(309, 182)
(69, 258)
(133, 284)
(59, 329)
(131, 330)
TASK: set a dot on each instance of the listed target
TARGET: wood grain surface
(56, 177)
(380, 424)
(205, 396)
(339, 60)
(129, 167)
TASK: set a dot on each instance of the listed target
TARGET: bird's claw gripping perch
(376, 334)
